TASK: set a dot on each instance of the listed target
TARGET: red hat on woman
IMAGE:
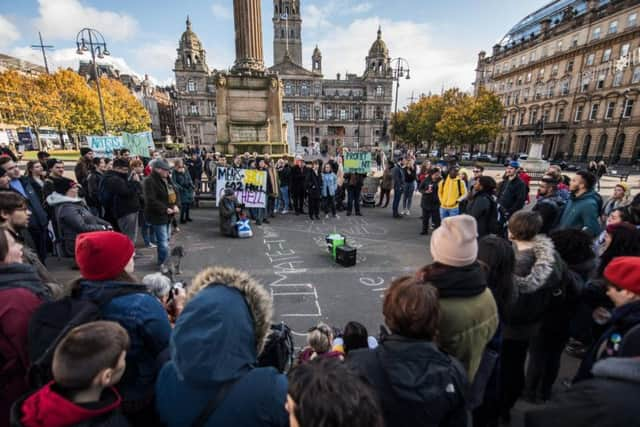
(624, 272)
(102, 255)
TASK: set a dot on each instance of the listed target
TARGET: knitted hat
(624, 272)
(102, 255)
(62, 185)
(85, 150)
(514, 164)
(455, 242)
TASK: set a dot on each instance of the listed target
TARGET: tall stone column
(247, 17)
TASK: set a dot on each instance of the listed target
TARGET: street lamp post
(400, 68)
(92, 40)
(612, 156)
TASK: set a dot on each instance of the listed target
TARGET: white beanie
(455, 242)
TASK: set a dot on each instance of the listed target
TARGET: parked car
(563, 165)
(487, 158)
(465, 156)
(523, 156)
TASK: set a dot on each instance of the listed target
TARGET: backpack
(497, 219)
(53, 320)
(244, 229)
(279, 349)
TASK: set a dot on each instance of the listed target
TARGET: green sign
(357, 162)
(138, 143)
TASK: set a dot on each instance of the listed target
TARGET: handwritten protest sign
(103, 146)
(250, 186)
(138, 144)
(357, 162)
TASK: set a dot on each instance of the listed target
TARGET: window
(628, 107)
(541, 73)
(343, 114)
(513, 120)
(545, 116)
(624, 49)
(519, 81)
(328, 112)
(594, 111)
(560, 114)
(379, 91)
(617, 78)
(528, 77)
(574, 41)
(554, 70)
(569, 66)
(525, 96)
(578, 116)
(212, 109)
(304, 112)
(610, 108)
(591, 58)
(636, 75)
(539, 91)
(532, 57)
(564, 87)
(304, 89)
(191, 86)
(586, 80)
(521, 118)
(508, 101)
(606, 55)
(613, 27)
(533, 117)
(544, 52)
(601, 77)
(523, 59)
(379, 114)
(595, 35)
(193, 109)
(288, 89)
(551, 89)
(559, 45)
(356, 113)
(632, 21)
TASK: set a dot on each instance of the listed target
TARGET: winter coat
(147, 323)
(73, 217)
(21, 293)
(313, 184)
(610, 399)
(156, 196)
(329, 184)
(450, 190)
(612, 204)
(387, 180)
(273, 185)
(195, 168)
(228, 215)
(184, 185)
(284, 176)
(48, 406)
(354, 180)
(409, 175)
(123, 195)
(468, 313)
(550, 209)
(415, 382)
(582, 212)
(228, 310)
(92, 193)
(429, 191)
(512, 194)
(397, 174)
(297, 179)
(482, 206)
(82, 171)
(622, 320)
(39, 218)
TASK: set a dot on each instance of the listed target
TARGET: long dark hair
(625, 241)
(498, 259)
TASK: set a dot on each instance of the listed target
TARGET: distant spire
(379, 32)
(188, 23)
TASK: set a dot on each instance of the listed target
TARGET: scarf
(22, 276)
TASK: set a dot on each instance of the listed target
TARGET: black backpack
(497, 219)
(279, 349)
(53, 320)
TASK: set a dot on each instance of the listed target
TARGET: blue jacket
(582, 212)
(216, 340)
(39, 218)
(147, 323)
(184, 185)
(329, 184)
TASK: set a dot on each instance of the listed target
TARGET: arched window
(282, 33)
(619, 147)
(601, 146)
(379, 91)
(585, 148)
(188, 61)
(194, 109)
(191, 86)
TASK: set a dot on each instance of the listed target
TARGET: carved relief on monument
(248, 134)
(221, 81)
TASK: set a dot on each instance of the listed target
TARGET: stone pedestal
(534, 162)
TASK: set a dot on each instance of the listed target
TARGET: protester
(4, 179)
(120, 199)
(35, 176)
(136, 176)
(477, 171)
(329, 187)
(386, 184)
(56, 171)
(600, 172)
(429, 202)
(399, 182)
(313, 186)
(229, 211)
(512, 191)
(273, 186)
(21, 292)
(84, 165)
(620, 198)
(409, 187)
(43, 156)
(415, 382)
(185, 187)
(195, 166)
(170, 295)
(555, 172)
(94, 181)
(483, 205)
(298, 185)
(622, 239)
(354, 337)
(451, 191)
(354, 182)
(616, 216)
(225, 309)
(550, 204)
(105, 260)
(583, 207)
(319, 344)
(284, 178)
(469, 316)
(87, 364)
(317, 397)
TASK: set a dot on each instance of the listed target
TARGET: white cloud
(344, 50)
(8, 32)
(320, 16)
(221, 11)
(361, 8)
(62, 19)
(156, 56)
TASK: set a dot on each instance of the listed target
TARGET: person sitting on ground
(21, 293)
(214, 349)
(72, 215)
(354, 336)
(105, 260)
(316, 397)
(319, 342)
(469, 316)
(87, 364)
(229, 210)
(415, 382)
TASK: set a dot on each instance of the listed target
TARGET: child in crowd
(87, 363)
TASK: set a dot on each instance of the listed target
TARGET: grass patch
(58, 154)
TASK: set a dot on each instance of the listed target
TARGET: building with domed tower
(573, 65)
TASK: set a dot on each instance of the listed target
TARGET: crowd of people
(508, 290)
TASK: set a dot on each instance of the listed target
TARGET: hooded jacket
(550, 209)
(72, 218)
(483, 207)
(156, 198)
(217, 339)
(416, 383)
(582, 212)
(610, 399)
(48, 407)
(228, 215)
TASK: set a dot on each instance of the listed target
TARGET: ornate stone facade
(574, 64)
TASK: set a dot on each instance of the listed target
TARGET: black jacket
(195, 168)
(416, 383)
(610, 399)
(284, 175)
(550, 209)
(123, 195)
(430, 200)
(512, 195)
(313, 184)
(297, 179)
(482, 207)
(92, 192)
(156, 196)
(354, 180)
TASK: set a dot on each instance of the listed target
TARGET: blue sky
(440, 39)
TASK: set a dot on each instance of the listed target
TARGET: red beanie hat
(624, 272)
(102, 255)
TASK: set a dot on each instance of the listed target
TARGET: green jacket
(582, 212)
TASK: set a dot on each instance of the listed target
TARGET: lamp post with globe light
(92, 40)
(400, 69)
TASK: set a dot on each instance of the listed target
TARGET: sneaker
(407, 212)
(335, 216)
(284, 212)
(326, 216)
(151, 246)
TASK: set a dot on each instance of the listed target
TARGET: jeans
(128, 225)
(258, 214)
(271, 205)
(161, 232)
(447, 212)
(147, 234)
(282, 204)
(353, 197)
(329, 204)
(397, 195)
(409, 189)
